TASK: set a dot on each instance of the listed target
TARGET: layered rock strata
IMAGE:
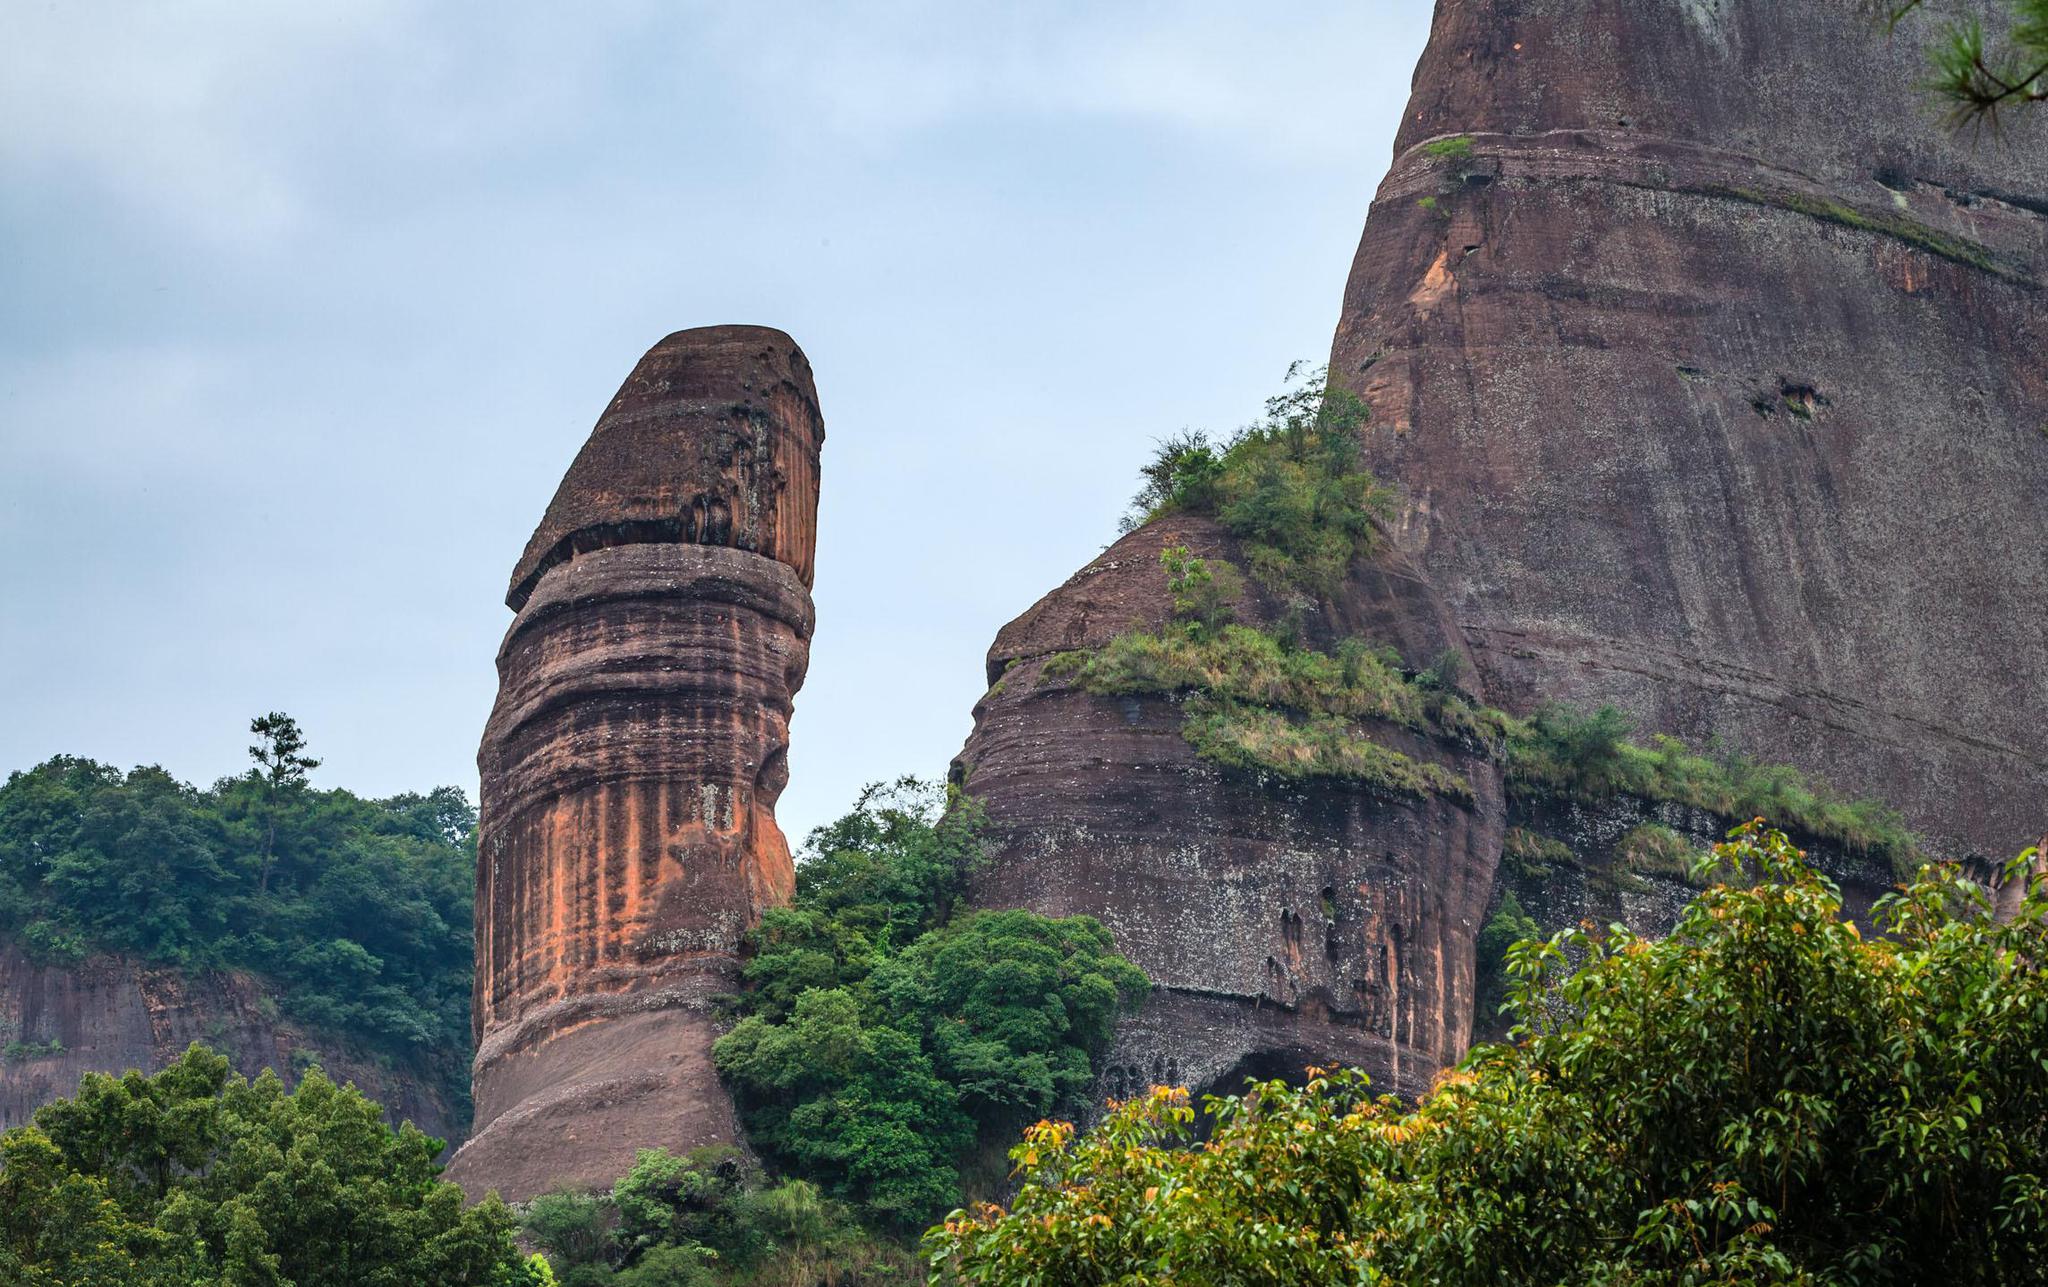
(1282, 923)
(1709, 362)
(632, 762)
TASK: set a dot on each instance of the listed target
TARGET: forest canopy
(195, 1177)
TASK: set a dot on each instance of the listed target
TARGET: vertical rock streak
(632, 762)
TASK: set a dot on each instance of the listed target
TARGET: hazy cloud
(309, 306)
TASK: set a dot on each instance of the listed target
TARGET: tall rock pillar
(631, 765)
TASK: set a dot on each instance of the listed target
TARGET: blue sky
(307, 308)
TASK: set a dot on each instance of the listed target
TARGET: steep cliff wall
(1710, 364)
(631, 765)
(109, 1014)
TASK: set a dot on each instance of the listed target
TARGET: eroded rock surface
(1710, 363)
(1281, 923)
(632, 763)
(111, 1013)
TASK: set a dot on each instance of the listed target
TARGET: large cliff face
(632, 763)
(109, 1014)
(1710, 365)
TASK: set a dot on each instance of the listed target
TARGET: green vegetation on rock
(1290, 487)
(357, 912)
(1530, 855)
(1588, 756)
(195, 1177)
(1764, 1096)
(889, 1032)
(1455, 148)
(1910, 231)
(1263, 740)
(1257, 702)
(1653, 849)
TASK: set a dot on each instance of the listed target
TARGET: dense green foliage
(1765, 1096)
(888, 1032)
(1589, 756)
(1290, 486)
(707, 1219)
(358, 911)
(197, 1178)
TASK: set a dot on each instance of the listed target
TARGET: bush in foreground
(195, 1177)
(1765, 1096)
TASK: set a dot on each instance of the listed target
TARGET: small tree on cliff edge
(281, 766)
(1980, 78)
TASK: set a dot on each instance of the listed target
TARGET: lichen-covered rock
(632, 763)
(1709, 361)
(1282, 922)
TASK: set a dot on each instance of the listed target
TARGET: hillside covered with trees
(354, 913)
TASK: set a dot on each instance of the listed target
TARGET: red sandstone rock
(1713, 378)
(631, 765)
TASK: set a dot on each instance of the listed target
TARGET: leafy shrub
(1764, 1096)
(195, 1175)
(19, 1051)
(1508, 926)
(887, 1031)
(1204, 594)
(1290, 486)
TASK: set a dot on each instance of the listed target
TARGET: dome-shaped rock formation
(1707, 363)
